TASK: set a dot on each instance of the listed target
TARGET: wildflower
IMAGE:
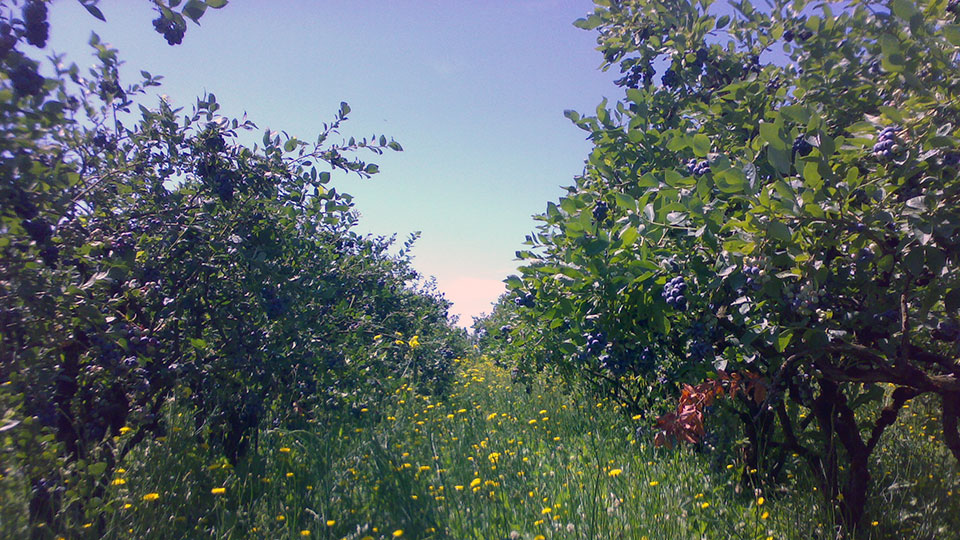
(218, 491)
(615, 472)
(285, 450)
(127, 506)
(118, 481)
(304, 533)
(125, 429)
(398, 533)
(151, 496)
(704, 505)
(378, 337)
(546, 510)
(765, 515)
(331, 522)
(760, 501)
(654, 483)
(475, 482)
(414, 342)
(539, 536)
(281, 517)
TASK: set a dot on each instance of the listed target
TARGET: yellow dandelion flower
(654, 483)
(615, 472)
(125, 429)
(285, 449)
(127, 506)
(289, 474)
(304, 533)
(118, 481)
(546, 510)
(398, 533)
(218, 491)
(704, 505)
(414, 342)
(281, 518)
(378, 337)
(539, 537)
(475, 482)
(331, 522)
(760, 501)
(151, 496)
(765, 515)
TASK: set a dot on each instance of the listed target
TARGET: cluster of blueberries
(26, 81)
(802, 36)
(946, 331)
(751, 272)
(700, 348)
(698, 168)
(600, 211)
(802, 146)
(35, 23)
(525, 300)
(673, 293)
(172, 30)
(596, 342)
(670, 78)
(885, 142)
(274, 305)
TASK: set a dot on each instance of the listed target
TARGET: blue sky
(473, 90)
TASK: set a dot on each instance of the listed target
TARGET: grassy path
(491, 460)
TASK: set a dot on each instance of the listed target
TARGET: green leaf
(815, 339)
(701, 145)
(588, 23)
(914, 261)
(95, 11)
(216, 4)
(194, 10)
(625, 201)
(903, 9)
(722, 21)
(344, 108)
(783, 339)
(779, 231)
(811, 175)
(770, 133)
(892, 59)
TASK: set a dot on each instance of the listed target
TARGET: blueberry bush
(147, 258)
(782, 205)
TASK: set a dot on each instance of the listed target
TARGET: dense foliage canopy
(775, 196)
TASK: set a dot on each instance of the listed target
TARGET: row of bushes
(147, 256)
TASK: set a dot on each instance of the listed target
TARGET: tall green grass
(492, 460)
